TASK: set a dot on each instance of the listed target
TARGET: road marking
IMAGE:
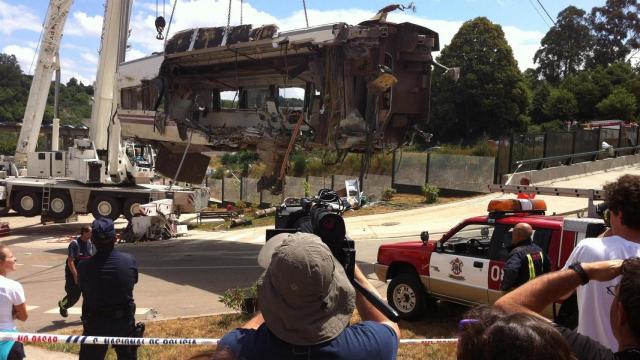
(198, 267)
(78, 311)
(43, 266)
(32, 307)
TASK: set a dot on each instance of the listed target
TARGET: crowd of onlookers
(307, 300)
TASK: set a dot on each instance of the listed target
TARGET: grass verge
(440, 323)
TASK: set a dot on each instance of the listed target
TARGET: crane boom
(51, 36)
(112, 52)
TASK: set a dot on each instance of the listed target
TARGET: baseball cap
(304, 294)
(102, 229)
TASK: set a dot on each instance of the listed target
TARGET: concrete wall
(560, 172)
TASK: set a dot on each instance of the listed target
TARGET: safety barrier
(108, 340)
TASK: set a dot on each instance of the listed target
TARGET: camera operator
(307, 301)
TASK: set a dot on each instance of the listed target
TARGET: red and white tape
(109, 340)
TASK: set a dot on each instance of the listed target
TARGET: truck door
(459, 268)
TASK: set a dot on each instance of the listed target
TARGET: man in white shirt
(623, 198)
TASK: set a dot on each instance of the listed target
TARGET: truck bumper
(381, 271)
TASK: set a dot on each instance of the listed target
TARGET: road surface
(184, 277)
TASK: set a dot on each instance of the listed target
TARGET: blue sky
(523, 21)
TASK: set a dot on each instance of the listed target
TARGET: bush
(430, 193)
(307, 188)
(299, 161)
(234, 298)
(315, 166)
(387, 193)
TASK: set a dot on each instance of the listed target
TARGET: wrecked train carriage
(364, 88)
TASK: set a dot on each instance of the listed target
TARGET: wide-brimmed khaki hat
(304, 293)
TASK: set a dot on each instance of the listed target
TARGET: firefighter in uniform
(526, 259)
(107, 281)
(80, 248)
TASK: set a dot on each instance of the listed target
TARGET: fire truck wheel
(105, 206)
(407, 296)
(131, 207)
(60, 205)
(27, 203)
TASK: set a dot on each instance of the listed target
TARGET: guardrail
(569, 158)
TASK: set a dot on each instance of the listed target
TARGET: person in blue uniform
(79, 249)
(526, 259)
(107, 281)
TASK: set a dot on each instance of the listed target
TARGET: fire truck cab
(466, 264)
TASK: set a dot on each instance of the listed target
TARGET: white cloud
(189, 14)
(133, 54)
(65, 76)
(23, 54)
(205, 13)
(90, 58)
(84, 25)
(67, 63)
(524, 45)
(17, 17)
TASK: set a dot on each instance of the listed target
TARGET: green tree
(14, 89)
(585, 92)
(561, 105)
(621, 104)
(10, 72)
(565, 47)
(616, 29)
(490, 96)
(538, 101)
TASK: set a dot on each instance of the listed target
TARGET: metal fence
(461, 172)
(410, 172)
(520, 147)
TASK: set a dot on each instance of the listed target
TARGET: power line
(546, 12)
(539, 14)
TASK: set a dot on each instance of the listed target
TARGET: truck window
(471, 240)
(542, 238)
(500, 242)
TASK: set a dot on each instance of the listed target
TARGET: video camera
(322, 216)
(602, 210)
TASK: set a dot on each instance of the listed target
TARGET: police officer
(107, 281)
(80, 248)
(526, 259)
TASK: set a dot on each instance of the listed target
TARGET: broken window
(228, 100)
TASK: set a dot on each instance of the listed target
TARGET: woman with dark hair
(488, 333)
(12, 305)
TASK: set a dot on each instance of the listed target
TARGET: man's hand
(603, 270)
(535, 295)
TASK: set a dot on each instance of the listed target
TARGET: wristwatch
(584, 278)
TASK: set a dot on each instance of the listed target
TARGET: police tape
(109, 340)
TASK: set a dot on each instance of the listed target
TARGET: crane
(57, 14)
(105, 129)
(95, 175)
